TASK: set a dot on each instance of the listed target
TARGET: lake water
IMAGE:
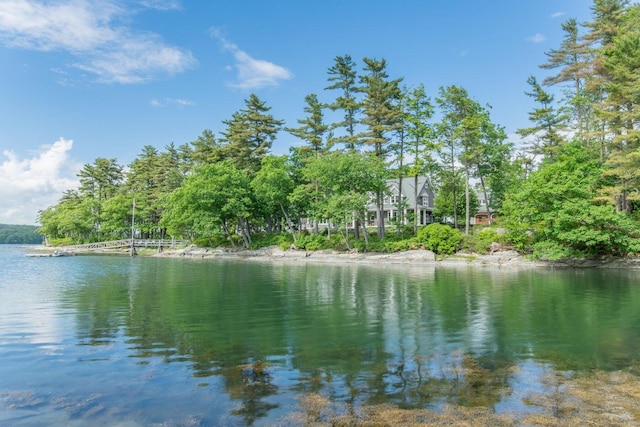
(102, 340)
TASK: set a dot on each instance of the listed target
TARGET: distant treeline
(19, 234)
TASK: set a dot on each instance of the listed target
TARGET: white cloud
(96, 34)
(557, 14)
(35, 183)
(171, 102)
(537, 38)
(252, 73)
(183, 102)
(161, 4)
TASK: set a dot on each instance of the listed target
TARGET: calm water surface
(99, 340)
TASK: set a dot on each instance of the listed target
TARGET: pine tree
(381, 116)
(421, 145)
(312, 128)
(573, 61)
(342, 76)
(249, 135)
(548, 122)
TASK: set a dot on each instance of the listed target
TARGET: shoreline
(414, 258)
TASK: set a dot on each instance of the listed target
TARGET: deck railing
(127, 243)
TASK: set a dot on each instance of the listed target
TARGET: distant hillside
(25, 234)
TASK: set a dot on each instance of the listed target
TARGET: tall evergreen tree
(381, 116)
(205, 149)
(312, 129)
(99, 182)
(342, 76)
(607, 18)
(548, 122)
(420, 134)
(249, 135)
(573, 62)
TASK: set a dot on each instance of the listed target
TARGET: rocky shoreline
(415, 258)
(506, 259)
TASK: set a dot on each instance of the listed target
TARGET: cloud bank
(32, 184)
(96, 34)
(252, 73)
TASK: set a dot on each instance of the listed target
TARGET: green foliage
(263, 240)
(402, 245)
(548, 122)
(446, 205)
(313, 242)
(565, 208)
(440, 238)
(25, 234)
(519, 239)
(214, 241)
(342, 77)
(480, 242)
(555, 204)
(215, 196)
(66, 241)
(552, 251)
(249, 135)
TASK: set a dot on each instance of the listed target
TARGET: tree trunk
(400, 220)
(228, 233)
(345, 235)
(486, 199)
(244, 232)
(364, 230)
(416, 221)
(289, 224)
(454, 186)
(467, 200)
(380, 216)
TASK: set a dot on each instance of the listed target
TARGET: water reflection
(263, 334)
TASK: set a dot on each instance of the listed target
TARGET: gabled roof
(408, 183)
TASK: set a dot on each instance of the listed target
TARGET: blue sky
(87, 79)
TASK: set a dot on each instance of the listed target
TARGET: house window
(394, 199)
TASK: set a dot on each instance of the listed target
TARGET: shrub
(481, 241)
(553, 251)
(65, 241)
(282, 240)
(212, 242)
(313, 242)
(402, 245)
(440, 238)
(519, 239)
(375, 244)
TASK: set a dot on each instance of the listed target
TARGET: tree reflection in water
(414, 338)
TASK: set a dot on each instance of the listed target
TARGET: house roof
(408, 185)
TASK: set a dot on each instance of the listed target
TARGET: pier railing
(127, 243)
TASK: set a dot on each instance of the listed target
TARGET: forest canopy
(569, 187)
(23, 234)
